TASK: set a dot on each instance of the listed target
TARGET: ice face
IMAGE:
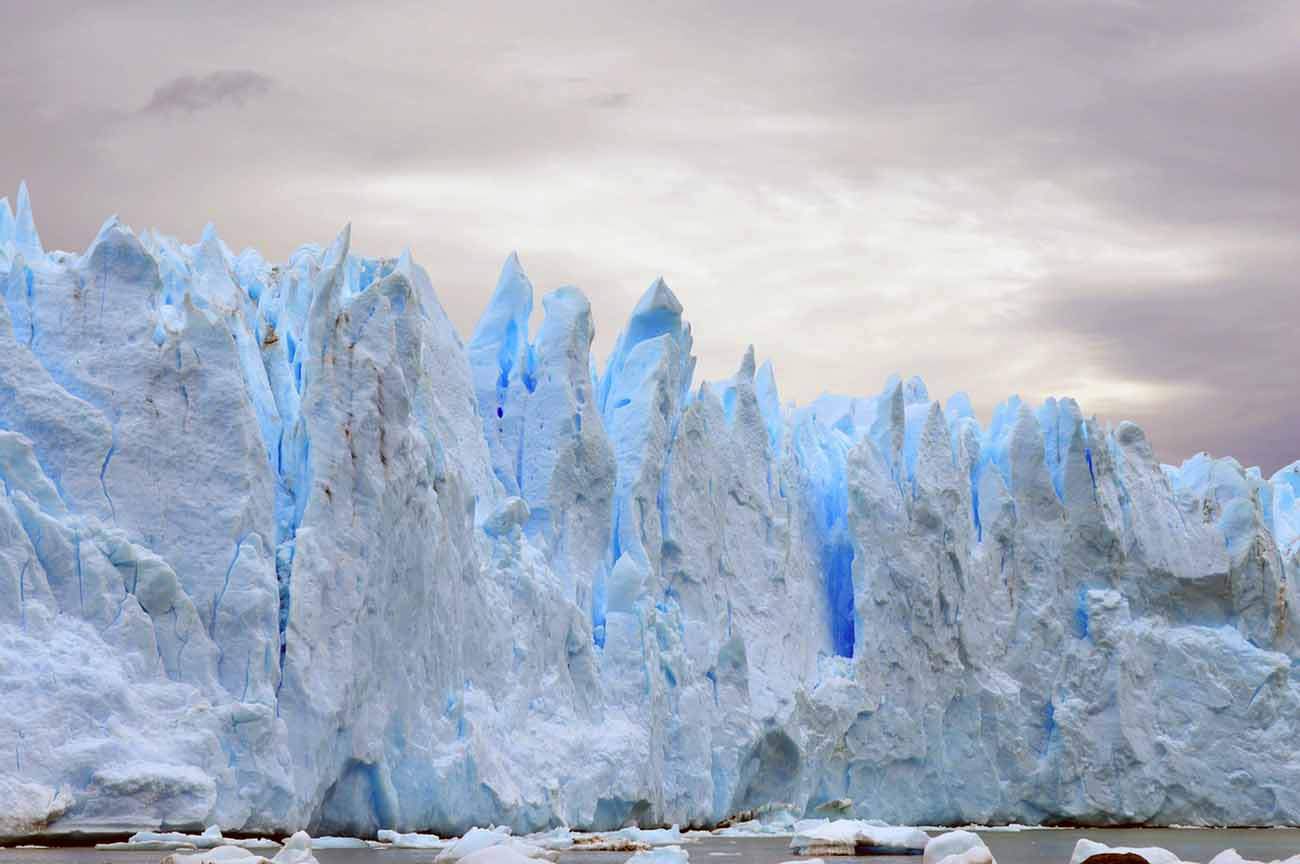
(279, 551)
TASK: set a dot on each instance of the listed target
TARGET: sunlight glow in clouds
(776, 254)
(1042, 198)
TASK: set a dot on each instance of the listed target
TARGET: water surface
(1009, 847)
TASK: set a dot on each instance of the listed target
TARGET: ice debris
(296, 850)
(159, 841)
(399, 840)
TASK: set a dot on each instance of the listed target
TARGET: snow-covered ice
(278, 549)
(661, 855)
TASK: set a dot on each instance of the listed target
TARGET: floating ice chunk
(173, 841)
(974, 855)
(653, 836)
(1230, 856)
(630, 839)
(502, 853)
(1086, 849)
(612, 842)
(748, 828)
(483, 838)
(556, 839)
(215, 855)
(159, 841)
(474, 840)
(854, 836)
(957, 847)
(341, 842)
(661, 855)
(296, 850)
(399, 840)
(779, 823)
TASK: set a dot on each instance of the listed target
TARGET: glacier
(280, 551)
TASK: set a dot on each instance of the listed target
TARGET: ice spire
(501, 361)
(657, 313)
(6, 222)
(26, 240)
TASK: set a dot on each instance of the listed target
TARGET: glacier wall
(278, 550)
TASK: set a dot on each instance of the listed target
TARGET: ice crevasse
(279, 551)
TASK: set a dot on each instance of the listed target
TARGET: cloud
(1215, 348)
(1098, 199)
(613, 99)
(190, 93)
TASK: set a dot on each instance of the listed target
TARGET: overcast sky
(1046, 198)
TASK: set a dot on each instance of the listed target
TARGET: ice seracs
(337, 568)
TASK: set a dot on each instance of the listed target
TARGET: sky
(1098, 200)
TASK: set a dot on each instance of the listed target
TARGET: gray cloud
(1224, 348)
(1073, 198)
(612, 99)
(190, 93)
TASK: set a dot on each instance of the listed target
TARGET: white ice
(279, 548)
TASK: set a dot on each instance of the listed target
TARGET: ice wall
(277, 551)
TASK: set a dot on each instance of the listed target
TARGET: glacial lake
(1029, 846)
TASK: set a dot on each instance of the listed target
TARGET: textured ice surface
(279, 551)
